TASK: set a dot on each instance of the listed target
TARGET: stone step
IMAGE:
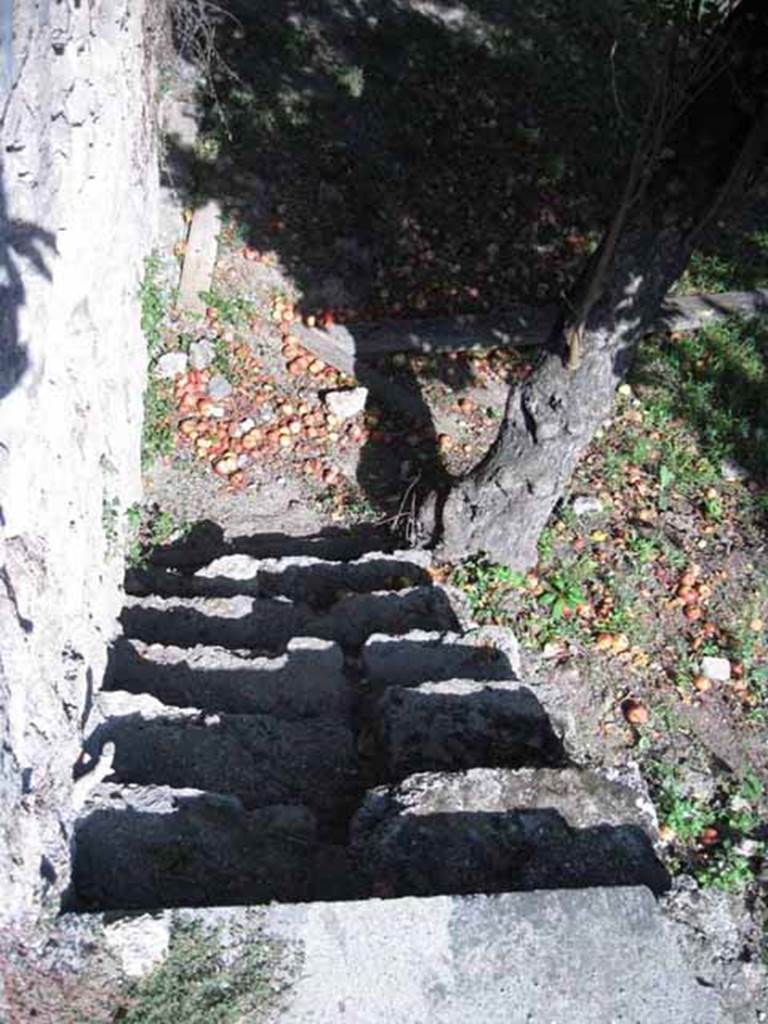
(421, 656)
(308, 679)
(593, 956)
(312, 581)
(261, 759)
(269, 623)
(460, 724)
(207, 541)
(500, 830)
(146, 847)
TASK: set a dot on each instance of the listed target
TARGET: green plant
(486, 585)
(644, 549)
(203, 982)
(157, 436)
(148, 528)
(715, 840)
(546, 544)
(231, 309)
(153, 306)
(563, 592)
(666, 479)
(714, 380)
(221, 361)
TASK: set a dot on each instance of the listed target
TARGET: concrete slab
(200, 256)
(594, 956)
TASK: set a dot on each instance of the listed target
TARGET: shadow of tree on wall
(21, 244)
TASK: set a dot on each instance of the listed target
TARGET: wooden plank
(200, 257)
(522, 326)
(687, 312)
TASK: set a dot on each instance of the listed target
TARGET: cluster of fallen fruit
(258, 422)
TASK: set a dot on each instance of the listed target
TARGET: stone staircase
(303, 730)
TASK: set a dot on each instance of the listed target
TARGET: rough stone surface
(461, 724)
(154, 847)
(140, 943)
(598, 956)
(80, 197)
(714, 933)
(421, 656)
(307, 580)
(732, 471)
(497, 830)
(219, 388)
(270, 623)
(200, 256)
(201, 354)
(171, 364)
(308, 679)
(346, 404)
(261, 759)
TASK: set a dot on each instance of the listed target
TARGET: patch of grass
(718, 841)
(563, 592)
(157, 438)
(149, 528)
(740, 263)
(486, 585)
(201, 983)
(157, 434)
(232, 309)
(716, 381)
(153, 306)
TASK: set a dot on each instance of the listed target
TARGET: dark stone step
(144, 848)
(269, 623)
(310, 581)
(307, 680)
(459, 724)
(206, 541)
(261, 759)
(497, 830)
(421, 656)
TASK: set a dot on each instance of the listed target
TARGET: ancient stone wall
(77, 216)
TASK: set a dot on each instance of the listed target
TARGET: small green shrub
(198, 984)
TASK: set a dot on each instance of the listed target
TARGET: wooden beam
(521, 326)
(200, 257)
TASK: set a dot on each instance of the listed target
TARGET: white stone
(139, 943)
(732, 471)
(716, 669)
(201, 354)
(348, 403)
(171, 365)
(585, 505)
(219, 387)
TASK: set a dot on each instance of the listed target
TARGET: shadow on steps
(260, 759)
(318, 585)
(211, 852)
(269, 623)
(306, 680)
(206, 541)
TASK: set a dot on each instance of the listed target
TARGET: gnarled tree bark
(698, 152)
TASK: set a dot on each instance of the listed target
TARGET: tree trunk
(698, 153)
